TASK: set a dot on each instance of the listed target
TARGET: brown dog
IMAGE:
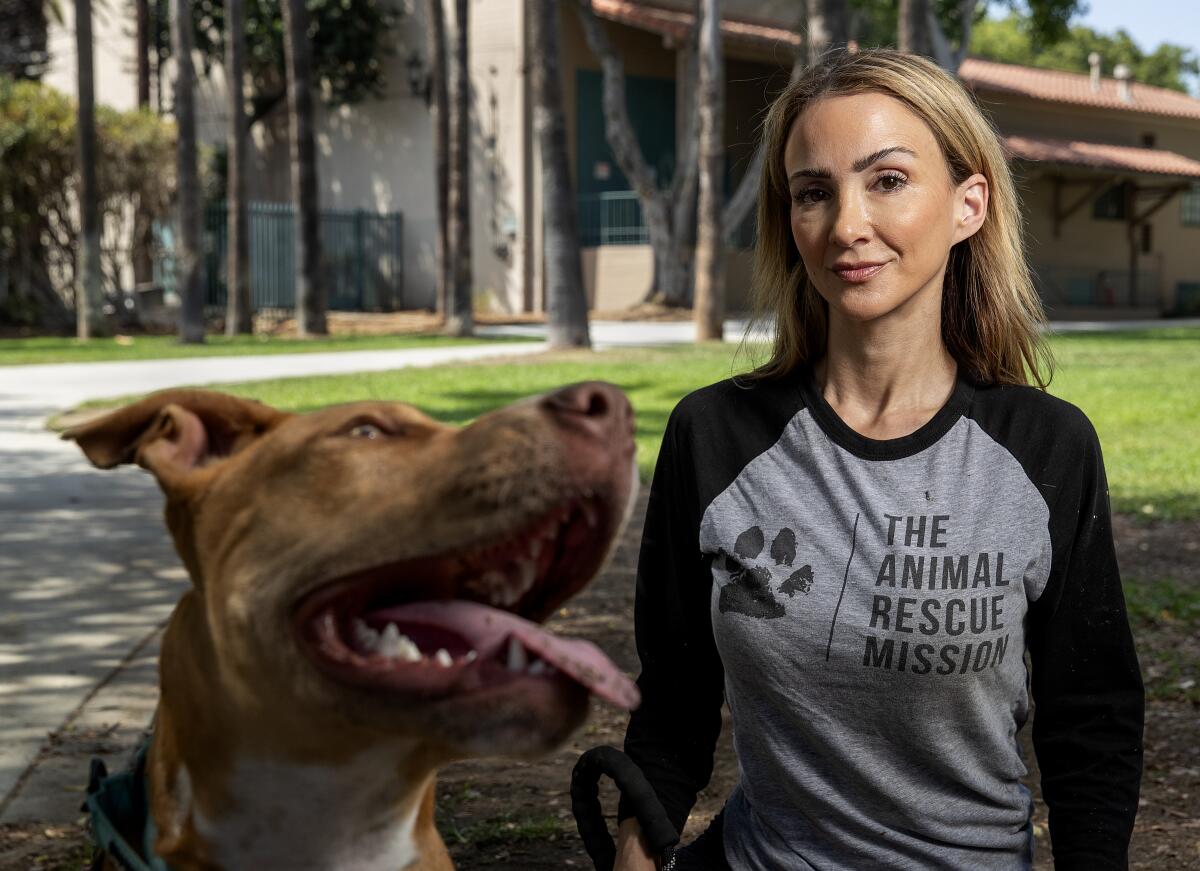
(366, 587)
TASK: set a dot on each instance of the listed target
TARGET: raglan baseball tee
(864, 607)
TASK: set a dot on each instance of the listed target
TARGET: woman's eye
(366, 431)
(806, 196)
(899, 182)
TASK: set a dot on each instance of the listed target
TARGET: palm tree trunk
(191, 311)
(89, 301)
(567, 321)
(913, 27)
(710, 289)
(828, 26)
(459, 317)
(310, 288)
(237, 274)
(143, 264)
(439, 96)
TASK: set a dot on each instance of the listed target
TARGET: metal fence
(361, 258)
(615, 218)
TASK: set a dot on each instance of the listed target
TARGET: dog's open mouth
(464, 622)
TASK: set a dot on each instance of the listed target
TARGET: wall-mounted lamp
(418, 76)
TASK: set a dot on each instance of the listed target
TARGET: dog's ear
(174, 432)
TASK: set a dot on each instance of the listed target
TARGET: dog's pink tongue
(488, 630)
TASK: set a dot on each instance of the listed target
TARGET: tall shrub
(39, 229)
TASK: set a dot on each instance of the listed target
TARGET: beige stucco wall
(1086, 242)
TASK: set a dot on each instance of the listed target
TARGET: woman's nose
(851, 219)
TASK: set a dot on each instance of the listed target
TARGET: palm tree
(912, 27)
(310, 289)
(143, 237)
(237, 304)
(710, 290)
(567, 300)
(459, 319)
(439, 96)
(191, 312)
(89, 311)
(828, 26)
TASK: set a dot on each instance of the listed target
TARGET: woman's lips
(857, 276)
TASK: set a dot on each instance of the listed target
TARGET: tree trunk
(439, 99)
(238, 313)
(191, 310)
(89, 296)
(828, 26)
(310, 284)
(567, 300)
(660, 208)
(912, 27)
(710, 288)
(142, 58)
(459, 318)
(23, 38)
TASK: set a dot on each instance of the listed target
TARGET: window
(1190, 206)
(1110, 205)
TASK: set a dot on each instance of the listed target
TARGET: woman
(855, 545)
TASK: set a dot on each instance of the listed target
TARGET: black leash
(589, 815)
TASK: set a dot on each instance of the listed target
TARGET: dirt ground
(515, 815)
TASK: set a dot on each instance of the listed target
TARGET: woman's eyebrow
(859, 165)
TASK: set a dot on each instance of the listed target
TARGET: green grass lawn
(14, 352)
(1141, 390)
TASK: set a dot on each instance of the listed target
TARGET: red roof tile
(676, 23)
(1054, 86)
(1074, 88)
(1096, 154)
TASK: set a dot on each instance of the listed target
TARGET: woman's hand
(633, 853)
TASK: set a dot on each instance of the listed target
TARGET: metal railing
(615, 218)
(611, 218)
(361, 258)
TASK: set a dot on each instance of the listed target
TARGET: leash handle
(589, 815)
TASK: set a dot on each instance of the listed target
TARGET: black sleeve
(1087, 687)
(673, 733)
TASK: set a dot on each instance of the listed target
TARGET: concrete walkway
(88, 576)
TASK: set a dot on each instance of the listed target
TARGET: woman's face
(869, 185)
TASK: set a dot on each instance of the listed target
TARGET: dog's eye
(365, 431)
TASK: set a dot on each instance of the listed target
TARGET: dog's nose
(592, 407)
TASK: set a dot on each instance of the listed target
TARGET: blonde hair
(991, 311)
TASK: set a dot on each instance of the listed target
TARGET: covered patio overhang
(1081, 171)
(674, 25)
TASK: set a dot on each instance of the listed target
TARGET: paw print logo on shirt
(750, 590)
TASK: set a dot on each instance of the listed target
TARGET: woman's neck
(888, 377)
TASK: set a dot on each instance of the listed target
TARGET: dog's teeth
(517, 660)
(471, 656)
(393, 645)
(589, 514)
(493, 580)
(443, 658)
(538, 667)
(535, 548)
(367, 637)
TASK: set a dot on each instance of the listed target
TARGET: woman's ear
(970, 206)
